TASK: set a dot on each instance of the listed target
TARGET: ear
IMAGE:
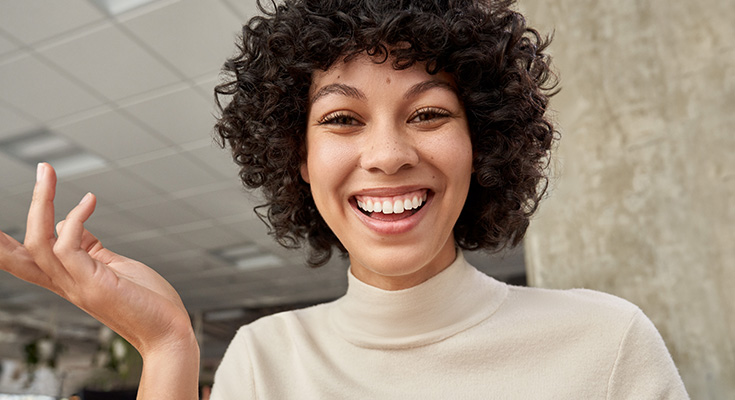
(305, 172)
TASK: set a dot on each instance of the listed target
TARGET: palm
(139, 303)
(124, 294)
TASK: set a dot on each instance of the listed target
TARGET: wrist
(181, 345)
(171, 371)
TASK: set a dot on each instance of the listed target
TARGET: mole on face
(387, 81)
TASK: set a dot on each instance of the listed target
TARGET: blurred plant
(42, 351)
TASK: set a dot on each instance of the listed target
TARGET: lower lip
(396, 227)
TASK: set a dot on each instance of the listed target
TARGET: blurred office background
(118, 96)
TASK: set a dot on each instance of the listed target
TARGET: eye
(338, 118)
(428, 114)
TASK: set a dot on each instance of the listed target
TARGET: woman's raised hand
(127, 296)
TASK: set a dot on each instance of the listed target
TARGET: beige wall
(644, 202)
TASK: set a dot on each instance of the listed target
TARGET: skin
(373, 130)
(127, 296)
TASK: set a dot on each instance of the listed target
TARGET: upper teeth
(392, 205)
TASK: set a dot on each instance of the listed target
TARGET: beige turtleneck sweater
(459, 335)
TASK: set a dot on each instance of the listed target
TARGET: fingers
(89, 242)
(73, 225)
(94, 247)
(40, 236)
(41, 213)
(74, 245)
(17, 261)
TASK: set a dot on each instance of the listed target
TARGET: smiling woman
(385, 138)
(481, 51)
(399, 133)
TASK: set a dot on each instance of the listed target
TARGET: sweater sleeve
(234, 377)
(644, 368)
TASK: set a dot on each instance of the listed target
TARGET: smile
(391, 205)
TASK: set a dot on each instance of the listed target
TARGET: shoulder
(575, 318)
(280, 333)
(265, 342)
(602, 327)
(590, 305)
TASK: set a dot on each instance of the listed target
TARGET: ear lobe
(305, 172)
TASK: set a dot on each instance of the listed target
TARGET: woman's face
(389, 160)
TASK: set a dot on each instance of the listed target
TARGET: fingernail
(85, 198)
(40, 170)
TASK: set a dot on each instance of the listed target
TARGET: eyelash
(339, 117)
(333, 118)
(434, 112)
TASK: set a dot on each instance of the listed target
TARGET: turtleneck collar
(454, 300)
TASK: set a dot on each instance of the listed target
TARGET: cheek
(328, 163)
(453, 154)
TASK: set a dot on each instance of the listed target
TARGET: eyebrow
(422, 87)
(351, 91)
(339, 88)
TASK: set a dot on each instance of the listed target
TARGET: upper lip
(388, 191)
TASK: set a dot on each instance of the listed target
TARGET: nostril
(389, 159)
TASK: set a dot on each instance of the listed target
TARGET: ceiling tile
(183, 265)
(12, 123)
(251, 228)
(244, 9)
(38, 90)
(14, 172)
(111, 135)
(14, 211)
(114, 186)
(150, 246)
(222, 203)
(6, 45)
(112, 63)
(211, 237)
(218, 159)
(196, 36)
(182, 116)
(167, 213)
(34, 20)
(172, 173)
(112, 225)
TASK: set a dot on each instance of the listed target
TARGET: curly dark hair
(499, 66)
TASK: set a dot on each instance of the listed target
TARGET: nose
(388, 149)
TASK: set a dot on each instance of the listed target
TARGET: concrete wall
(643, 205)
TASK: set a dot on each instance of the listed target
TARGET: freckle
(387, 80)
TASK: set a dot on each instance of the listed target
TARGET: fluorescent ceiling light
(259, 262)
(44, 146)
(248, 257)
(117, 7)
(76, 163)
(38, 146)
(241, 251)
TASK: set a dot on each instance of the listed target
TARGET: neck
(458, 297)
(403, 278)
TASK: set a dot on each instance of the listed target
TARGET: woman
(397, 132)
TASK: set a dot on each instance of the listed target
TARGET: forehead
(364, 71)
